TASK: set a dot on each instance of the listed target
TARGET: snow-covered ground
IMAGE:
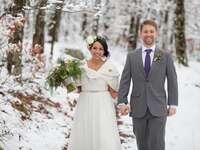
(48, 127)
(183, 129)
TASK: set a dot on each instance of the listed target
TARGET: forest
(54, 28)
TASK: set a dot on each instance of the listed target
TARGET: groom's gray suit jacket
(149, 92)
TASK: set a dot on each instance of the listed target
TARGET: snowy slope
(47, 127)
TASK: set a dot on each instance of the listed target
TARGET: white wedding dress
(95, 125)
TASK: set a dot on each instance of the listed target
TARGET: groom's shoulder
(166, 55)
(134, 52)
(163, 52)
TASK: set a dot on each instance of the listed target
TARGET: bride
(95, 125)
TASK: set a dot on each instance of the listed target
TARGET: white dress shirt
(151, 54)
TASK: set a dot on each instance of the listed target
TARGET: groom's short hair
(149, 22)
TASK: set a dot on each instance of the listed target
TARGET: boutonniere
(157, 57)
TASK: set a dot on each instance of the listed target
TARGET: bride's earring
(103, 58)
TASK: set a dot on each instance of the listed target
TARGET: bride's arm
(112, 92)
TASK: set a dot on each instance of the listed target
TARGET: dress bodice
(92, 81)
(99, 80)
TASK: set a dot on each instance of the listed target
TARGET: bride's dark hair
(103, 42)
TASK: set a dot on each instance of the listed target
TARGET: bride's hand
(112, 92)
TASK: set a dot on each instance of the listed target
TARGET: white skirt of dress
(95, 124)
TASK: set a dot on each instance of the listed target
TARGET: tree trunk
(133, 32)
(55, 23)
(180, 33)
(96, 25)
(84, 25)
(38, 37)
(14, 54)
(165, 40)
(97, 17)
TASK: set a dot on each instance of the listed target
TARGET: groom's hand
(171, 111)
(123, 109)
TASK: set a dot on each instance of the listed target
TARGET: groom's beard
(148, 41)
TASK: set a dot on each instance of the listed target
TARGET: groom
(147, 68)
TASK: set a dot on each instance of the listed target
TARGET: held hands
(123, 109)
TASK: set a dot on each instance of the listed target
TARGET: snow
(50, 131)
(48, 127)
(183, 129)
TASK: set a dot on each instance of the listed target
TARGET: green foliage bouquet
(66, 73)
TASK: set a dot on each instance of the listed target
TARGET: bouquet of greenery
(66, 73)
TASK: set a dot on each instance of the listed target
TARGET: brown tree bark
(55, 23)
(95, 26)
(180, 42)
(38, 37)
(84, 25)
(14, 54)
(133, 32)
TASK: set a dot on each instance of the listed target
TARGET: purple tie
(147, 64)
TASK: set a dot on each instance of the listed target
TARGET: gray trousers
(150, 132)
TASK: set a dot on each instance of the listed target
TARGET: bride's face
(97, 51)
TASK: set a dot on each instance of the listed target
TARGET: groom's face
(148, 35)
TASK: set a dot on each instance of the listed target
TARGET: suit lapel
(140, 62)
(153, 62)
